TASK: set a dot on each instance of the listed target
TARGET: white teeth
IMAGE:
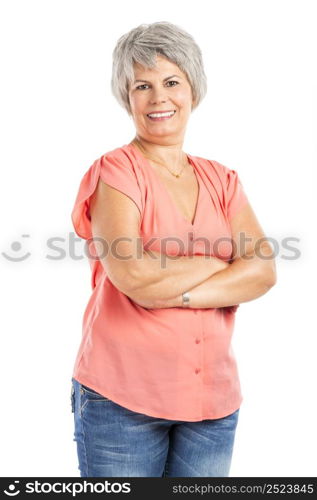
(158, 115)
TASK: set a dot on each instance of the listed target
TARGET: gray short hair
(142, 44)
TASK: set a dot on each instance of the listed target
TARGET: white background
(58, 115)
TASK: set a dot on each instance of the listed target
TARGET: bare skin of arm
(115, 221)
(242, 281)
(212, 282)
(250, 274)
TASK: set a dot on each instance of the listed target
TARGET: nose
(158, 95)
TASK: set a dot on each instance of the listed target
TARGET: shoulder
(116, 169)
(120, 159)
(120, 153)
(219, 174)
(213, 166)
(226, 182)
(116, 166)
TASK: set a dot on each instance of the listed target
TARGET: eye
(139, 87)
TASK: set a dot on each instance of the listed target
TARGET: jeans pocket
(88, 395)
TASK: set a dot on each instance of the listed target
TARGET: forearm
(164, 277)
(247, 278)
(243, 280)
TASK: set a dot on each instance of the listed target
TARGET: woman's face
(163, 88)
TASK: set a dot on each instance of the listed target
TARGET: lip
(161, 111)
(161, 118)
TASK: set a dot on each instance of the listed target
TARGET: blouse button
(197, 341)
(197, 370)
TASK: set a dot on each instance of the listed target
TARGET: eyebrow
(167, 78)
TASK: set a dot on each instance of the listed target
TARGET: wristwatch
(185, 297)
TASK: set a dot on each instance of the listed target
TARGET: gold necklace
(150, 157)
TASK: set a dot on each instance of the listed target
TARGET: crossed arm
(212, 282)
(246, 278)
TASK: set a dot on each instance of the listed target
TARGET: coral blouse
(171, 363)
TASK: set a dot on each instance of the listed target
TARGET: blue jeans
(113, 441)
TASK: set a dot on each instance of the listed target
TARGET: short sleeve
(115, 170)
(236, 197)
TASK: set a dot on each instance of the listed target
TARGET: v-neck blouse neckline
(160, 182)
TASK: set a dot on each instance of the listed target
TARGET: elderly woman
(155, 386)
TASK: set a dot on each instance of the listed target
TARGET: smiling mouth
(160, 118)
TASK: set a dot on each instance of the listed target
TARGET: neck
(169, 154)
